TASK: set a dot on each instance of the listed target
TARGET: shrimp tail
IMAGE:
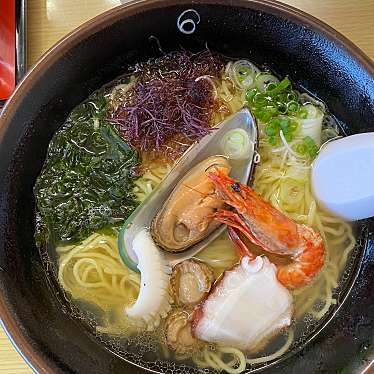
(305, 265)
(270, 229)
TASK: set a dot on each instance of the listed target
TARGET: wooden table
(50, 20)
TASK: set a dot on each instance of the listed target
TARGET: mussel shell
(186, 216)
(209, 145)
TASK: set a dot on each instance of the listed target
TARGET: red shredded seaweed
(167, 102)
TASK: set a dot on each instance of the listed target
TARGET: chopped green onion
(273, 140)
(277, 106)
(271, 130)
(250, 94)
(303, 113)
(293, 107)
(243, 73)
(260, 100)
(236, 144)
(309, 142)
(282, 108)
(300, 148)
(284, 83)
(306, 147)
(276, 121)
(311, 110)
(288, 137)
(284, 123)
(263, 115)
(281, 98)
(264, 79)
(271, 86)
(292, 96)
(294, 126)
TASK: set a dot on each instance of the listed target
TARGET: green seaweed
(86, 181)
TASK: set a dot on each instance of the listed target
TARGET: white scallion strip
(306, 99)
(238, 68)
(236, 144)
(287, 146)
(312, 125)
(312, 111)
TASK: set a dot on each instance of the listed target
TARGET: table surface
(50, 20)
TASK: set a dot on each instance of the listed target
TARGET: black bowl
(316, 57)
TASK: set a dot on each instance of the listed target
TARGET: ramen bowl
(33, 309)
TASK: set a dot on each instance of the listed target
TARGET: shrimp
(270, 229)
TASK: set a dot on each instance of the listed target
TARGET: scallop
(186, 216)
(190, 282)
(178, 332)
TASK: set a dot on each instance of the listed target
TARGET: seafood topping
(179, 333)
(186, 216)
(270, 229)
(153, 302)
(246, 308)
(190, 282)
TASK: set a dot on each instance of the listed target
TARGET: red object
(7, 48)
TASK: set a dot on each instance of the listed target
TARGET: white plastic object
(343, 176)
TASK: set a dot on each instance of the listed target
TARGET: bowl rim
(20, 340)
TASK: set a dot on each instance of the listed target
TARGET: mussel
(177, 226)
(186, 216)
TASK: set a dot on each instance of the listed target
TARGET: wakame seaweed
(87, 178)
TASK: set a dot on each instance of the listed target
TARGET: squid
(154, 300)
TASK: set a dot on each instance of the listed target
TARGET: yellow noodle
(328, 302)
(235, 366)
(331, 226)
(276, 354)
(209, 360)
(311, 214)
(93, 271)
(270, 176)
(146, 184)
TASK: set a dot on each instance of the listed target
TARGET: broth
(90, 270)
